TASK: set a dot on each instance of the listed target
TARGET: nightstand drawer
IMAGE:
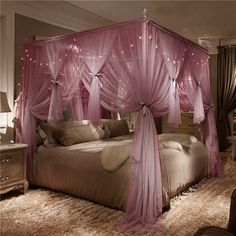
(11, 166)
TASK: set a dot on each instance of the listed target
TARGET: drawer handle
(5, 160)
(5, 178)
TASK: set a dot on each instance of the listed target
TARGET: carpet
(45, 212)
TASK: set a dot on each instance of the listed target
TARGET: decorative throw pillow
(116, 127)
(102, 132)
(72, 135)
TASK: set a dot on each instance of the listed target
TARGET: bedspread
(78, 170)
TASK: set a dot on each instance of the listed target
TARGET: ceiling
(205, 22)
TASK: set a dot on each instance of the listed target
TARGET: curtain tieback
(55, 82)
(145, 107)
(199, 84)
(96, 76)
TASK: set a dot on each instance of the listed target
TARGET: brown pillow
(72, 135)
(116, 127)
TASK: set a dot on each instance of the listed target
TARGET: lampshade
(4, 107)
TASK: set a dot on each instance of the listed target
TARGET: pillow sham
(116, 127)
(47, 128)
(72, 135)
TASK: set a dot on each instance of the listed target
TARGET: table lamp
(4, 106)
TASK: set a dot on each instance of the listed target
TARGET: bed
(82, 169)
(135, 66)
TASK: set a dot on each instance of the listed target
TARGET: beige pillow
(116, 127)
(72, 135)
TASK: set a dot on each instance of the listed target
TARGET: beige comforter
(79, 170)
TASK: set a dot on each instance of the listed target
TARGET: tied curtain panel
(136, 66)
(226, 92)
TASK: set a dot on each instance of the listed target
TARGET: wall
(25, 30)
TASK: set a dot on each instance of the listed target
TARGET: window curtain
(132, 81)
(95, 51)
(226, 91)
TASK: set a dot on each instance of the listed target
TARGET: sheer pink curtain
(174, 51)
(196, 82)
(56, 55)
(132, 81)
(95, 50)
(75, 68)
(198, 63)
(36, 99)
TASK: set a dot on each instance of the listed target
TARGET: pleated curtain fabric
(226, 92)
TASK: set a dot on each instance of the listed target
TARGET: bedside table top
(12, 146)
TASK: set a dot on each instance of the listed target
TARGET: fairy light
(131, 45)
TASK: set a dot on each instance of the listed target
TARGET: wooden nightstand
(13, 167)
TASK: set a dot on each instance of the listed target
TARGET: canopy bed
(135, 66)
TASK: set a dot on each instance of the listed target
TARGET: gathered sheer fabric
(135, 66)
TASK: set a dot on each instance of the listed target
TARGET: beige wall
(25, 30)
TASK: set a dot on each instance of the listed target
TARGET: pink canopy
(135, 66)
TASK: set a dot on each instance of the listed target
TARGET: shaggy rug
(44, 212)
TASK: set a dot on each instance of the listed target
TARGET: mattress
(78, 170)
